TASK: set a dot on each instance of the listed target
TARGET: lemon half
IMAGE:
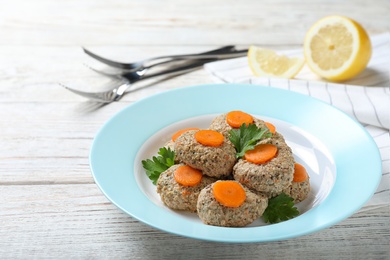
(265, 62)
(337, 48)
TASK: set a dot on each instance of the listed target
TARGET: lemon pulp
(265, 62)
(337, 48)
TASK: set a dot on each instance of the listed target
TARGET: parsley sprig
(246, 137)
(280, 208)
(159, 164)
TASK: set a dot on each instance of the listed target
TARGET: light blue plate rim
(354, 151)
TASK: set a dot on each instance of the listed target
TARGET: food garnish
(271, 127)
(246, 137)
(159, 164)
(209, 138)
(265, 62)
(337, 48)
(300, 173)
(182, 131)
(229, 193)
(262, 153)
(280, 208)
(236, 118)
(187, 176)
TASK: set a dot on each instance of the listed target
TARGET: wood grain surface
(50, 207)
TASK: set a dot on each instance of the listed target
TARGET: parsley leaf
(159, 164)
(280, 208)
(246, 137)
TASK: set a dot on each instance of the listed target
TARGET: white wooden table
(50, 206)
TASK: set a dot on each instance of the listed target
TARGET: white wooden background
(50, 206)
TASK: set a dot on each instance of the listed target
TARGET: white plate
(342, 159)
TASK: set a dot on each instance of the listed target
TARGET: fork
(220, 53)
(129, 78)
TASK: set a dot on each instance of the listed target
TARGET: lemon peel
(337, 48)
(266, 62)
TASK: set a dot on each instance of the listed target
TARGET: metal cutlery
(129, 73)
(225, 52)
(126, 80)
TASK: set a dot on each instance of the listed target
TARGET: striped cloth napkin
(365, 98)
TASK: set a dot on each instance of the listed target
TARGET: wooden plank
(173, 22)
(56, 221)
(36, 79)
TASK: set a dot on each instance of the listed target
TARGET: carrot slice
(236, 118)
(182, 131)
(300, 173)
(261, 154)
(187, 176)
(209, 138)
(271, 127)
(229, 193)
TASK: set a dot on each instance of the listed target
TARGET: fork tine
(107, 61)
(119, 74)
(104, 96)
(104, 73)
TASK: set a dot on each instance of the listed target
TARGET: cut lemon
(337, 48)
(265, 62)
